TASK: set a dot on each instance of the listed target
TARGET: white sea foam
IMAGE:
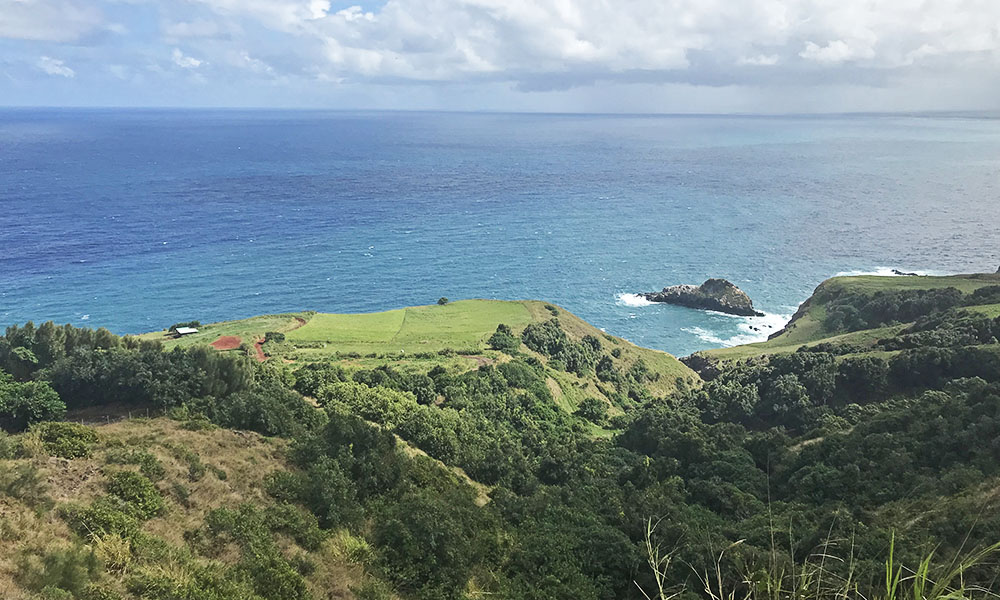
(631, 300)
(882, 271)
(751, 330)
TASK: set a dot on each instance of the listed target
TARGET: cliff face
(715, 294)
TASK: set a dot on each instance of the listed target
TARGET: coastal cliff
(715, 294)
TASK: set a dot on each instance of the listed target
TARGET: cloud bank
(759, 49)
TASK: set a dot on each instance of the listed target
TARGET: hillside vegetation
(833, 314)
(552, 462)
(454, 336)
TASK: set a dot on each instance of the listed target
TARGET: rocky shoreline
(715, 294)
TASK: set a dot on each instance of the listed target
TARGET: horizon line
(956, 113)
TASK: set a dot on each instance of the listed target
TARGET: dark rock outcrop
(715, 294)
(706, 368)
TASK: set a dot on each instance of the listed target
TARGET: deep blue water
(137, 219)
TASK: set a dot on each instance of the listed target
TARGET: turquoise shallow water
(137, 219)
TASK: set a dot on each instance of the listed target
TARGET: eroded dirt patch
(227, 342)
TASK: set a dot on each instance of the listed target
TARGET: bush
(24, 482)
(429, 544)
(104, 516)
(175, 326)
(63, 573)
(24, 404)
(442, 301)
(100, 592)
(67, 440)
(594, 410)
(11, 447)
(149, 465)
(137, 492)
(504, 340)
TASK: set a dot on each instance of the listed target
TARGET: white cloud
(837, 51)
(49, 20)
(466, 40)
(183, 61)
(537, 45)
(55, 67)
(761, 60)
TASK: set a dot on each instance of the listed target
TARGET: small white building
(185, 330)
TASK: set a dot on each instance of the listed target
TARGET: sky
(658, 56)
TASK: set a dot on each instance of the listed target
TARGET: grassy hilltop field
(416, 339)
(510, 450)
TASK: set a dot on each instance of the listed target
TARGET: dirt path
(232, 342)
(481, 361)
(227, 342)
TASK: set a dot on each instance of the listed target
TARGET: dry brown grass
(237, 465)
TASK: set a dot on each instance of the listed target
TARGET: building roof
(185, 330)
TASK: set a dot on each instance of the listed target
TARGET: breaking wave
(750, 330)
(631, 300)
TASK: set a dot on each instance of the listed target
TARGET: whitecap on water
(883, 272)
(751, 330)
(631, 300)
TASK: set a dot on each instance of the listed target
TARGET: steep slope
(193, 470)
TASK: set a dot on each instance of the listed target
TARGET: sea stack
(715, 294)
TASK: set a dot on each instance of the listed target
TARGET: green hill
(416, 339)
(509, 450)
(810, 326)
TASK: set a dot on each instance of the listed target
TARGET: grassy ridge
(806, 327)
(416, 339)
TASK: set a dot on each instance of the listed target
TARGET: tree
(442, 301)
(594, 410)
(23, 404)
(504, 340)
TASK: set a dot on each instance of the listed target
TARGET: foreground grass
(198, 471)
(824, 575)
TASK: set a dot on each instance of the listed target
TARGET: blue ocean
(136, 219)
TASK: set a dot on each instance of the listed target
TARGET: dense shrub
(428, 543)
(104, 516)
(594, 410)
(24, 404)
(137, 492)
(262, 563)
(149, 465)
(26, 483)
(67, 440)
(311, 377)
(269, 409)
(60, 573)
(850, 311)
(549, 339)
(504, 340)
